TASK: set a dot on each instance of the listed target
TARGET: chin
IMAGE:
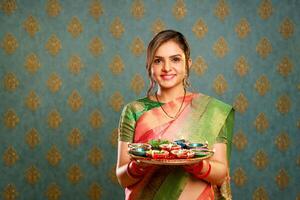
(167, 86)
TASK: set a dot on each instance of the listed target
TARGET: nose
(166, 67)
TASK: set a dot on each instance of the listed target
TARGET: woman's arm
(123, 160)
(214, 169)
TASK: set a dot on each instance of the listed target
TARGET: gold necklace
(164, 109)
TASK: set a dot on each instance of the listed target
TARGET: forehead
(169, 48)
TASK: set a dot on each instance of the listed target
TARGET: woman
(171, 112)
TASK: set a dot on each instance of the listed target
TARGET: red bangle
(202, 176)
(134, 171)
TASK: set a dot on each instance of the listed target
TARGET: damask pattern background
(68, 67)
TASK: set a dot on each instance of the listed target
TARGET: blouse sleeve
(126, 125)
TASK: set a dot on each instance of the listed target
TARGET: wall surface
(67, 67)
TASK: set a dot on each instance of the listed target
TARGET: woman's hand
(194, 169)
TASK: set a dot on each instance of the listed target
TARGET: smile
(168, 76)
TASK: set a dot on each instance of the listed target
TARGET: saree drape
(202, 119)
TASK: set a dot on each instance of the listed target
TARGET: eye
(157, 61)
(176, 59)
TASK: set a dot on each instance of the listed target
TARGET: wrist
(134, 170)
(205, 174)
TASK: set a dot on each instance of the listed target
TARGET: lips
(167, 76)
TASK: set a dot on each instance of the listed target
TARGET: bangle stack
(135, 171)
(204, 175)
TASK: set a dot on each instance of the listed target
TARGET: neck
(166, 95)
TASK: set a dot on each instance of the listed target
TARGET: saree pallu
(202, 119)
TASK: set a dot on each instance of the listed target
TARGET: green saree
(202, 119)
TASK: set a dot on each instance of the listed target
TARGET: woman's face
(168, 68)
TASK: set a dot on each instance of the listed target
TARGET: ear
(190, 63)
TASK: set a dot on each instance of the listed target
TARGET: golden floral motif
(112, 175)
(54, 119)
(199, 66)
(95, 156)
(74, 174)
(179, 9)
(54, 82)
(260, 159)
(117, 65)
(31, 25)
(75, 27)
(53, 8)
(200, 29)
(220, 47)
(285, 67)
(287, 28)
(53, 45)
(75, 64)
(157, 26)
(32, 101)
(75, 101)
(9, 6)
(264, 48)
(265, 9)
(114, 138)
(116, 101)
(261, 122)
(117, 28)
(96, 83)
(262, 85)
(298, 161)
(137, 46)
(283, 104)
(96, 9)
(53, 156)
(32, 175)
(282, 141)
(95, 191)
(240, 140)
(53, 192)
(75, 138)
(243, 28)
(137, 84)
(10, 192)
(32, 138)
(240, 177)
(241, 66)
(241, 103)
(138, 9)
(32, 63)
(96, 119)
(260, 194)
(11, 119)
(222, 10)
(282, 179)
(11, 82)
(9, 43)
(96, 46)
(220, 84)
(10, 156)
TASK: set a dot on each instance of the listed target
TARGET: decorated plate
(173, 161)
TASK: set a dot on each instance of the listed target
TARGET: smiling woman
(170, 112)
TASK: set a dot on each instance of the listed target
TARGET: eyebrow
(169, 56)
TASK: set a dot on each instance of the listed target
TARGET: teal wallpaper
(67, 68)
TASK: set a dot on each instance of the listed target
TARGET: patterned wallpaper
(68, 66)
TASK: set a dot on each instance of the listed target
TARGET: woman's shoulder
(215, 101)
(139, 104)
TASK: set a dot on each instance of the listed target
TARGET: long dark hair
(156, 42)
